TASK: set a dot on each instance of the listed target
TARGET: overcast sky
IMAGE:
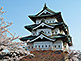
(18, 11)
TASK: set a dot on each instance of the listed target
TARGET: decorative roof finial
(45, 6)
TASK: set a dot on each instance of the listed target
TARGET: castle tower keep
(48, 33)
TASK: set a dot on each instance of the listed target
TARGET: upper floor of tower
(46, 15)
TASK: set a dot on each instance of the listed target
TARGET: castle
(48, 33)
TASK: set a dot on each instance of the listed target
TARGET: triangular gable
(45, 11)
(43, 24)
(42, 36)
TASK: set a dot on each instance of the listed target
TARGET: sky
(18, 11)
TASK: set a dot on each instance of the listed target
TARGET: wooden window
(53, 21)
(45, 32)
(42, 46)
(45, 45)
(39, 46)
(35, 45)
(49, 21)
(55, 32)
(55, 46)
(32, 46)
(48, 32)
(37, 22)
(65, 46)
(28, 46)
(49, 46)
(59, 46)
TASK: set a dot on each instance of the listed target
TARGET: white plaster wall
(47, 20)
(47, 45)
(47, 31)
(50, 20)
(57, 44)
(42, 43)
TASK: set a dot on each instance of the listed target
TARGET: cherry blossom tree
(74, 55)
(4, 31)
(15, 49)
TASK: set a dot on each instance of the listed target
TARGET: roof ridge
(45, 7)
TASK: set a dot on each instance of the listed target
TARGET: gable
(42, 37)
(45, 12)
(43, 25)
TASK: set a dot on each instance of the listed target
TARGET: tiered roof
(47, 14)
(43, 37)
(60, 24)
(42, 24)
